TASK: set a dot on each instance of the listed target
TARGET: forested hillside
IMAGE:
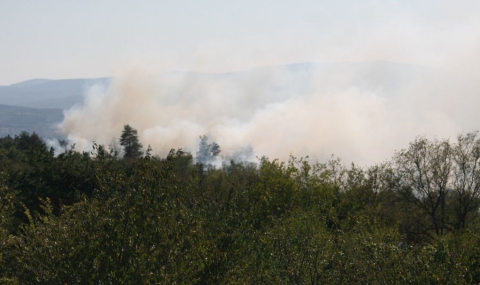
(101, 218)
(14, 120)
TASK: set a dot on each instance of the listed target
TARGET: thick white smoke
(360, 112)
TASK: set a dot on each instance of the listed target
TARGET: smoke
(361, 112)
(352, 105)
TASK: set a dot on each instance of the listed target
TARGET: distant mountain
(14, 120)
(31, 82)
(45, 93)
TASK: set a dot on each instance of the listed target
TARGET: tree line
(95, 218)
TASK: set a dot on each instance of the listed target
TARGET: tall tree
(442, 179)
(424, 171)
(466, 178)
(129, 141)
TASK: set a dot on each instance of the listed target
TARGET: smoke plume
(351, 105)
(360, 112)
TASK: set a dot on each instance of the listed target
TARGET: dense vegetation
(95, 218)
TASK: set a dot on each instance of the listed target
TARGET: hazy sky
(71, 39)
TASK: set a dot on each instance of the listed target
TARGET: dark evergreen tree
(129, 141)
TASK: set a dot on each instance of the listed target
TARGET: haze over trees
(95, 218)
(207, 152)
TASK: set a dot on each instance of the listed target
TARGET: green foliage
(90, 218)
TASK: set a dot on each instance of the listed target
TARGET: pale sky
(72, 39)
